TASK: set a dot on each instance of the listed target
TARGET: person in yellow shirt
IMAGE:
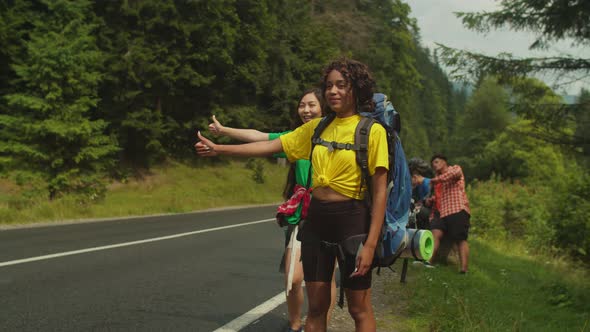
(311, 105)
(337, 210)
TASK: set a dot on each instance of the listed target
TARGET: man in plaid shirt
(450, 208)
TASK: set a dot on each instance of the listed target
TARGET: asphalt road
(196, 281)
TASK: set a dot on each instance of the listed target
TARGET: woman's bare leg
(295, 296)
(318, 296)
(361, 310)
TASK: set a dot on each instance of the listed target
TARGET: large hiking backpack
(394, 238)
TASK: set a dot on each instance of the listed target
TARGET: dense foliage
(89, 84)
(48, 129)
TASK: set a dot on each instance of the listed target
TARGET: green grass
(172, 188)
(505, 290)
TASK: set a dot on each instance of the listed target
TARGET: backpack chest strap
(331, 145)
(361, 139)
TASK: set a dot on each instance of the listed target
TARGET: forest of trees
(92, 89)
(90, 85)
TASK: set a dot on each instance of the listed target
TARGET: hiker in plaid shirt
(450, 207)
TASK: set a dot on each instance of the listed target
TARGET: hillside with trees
(520, 135)
(92, 87)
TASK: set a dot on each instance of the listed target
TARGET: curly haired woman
(337, 210)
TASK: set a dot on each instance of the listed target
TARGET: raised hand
(205, 147)
(216, 128)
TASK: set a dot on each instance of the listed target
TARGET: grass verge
(173, 188)
(505, 290)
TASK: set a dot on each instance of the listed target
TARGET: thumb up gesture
(215, 127)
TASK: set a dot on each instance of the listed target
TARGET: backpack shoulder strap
(331, 146)
(324, 122)
(361, 140)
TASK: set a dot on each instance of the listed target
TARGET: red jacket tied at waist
(301, 195)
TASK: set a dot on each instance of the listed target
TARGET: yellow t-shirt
(337, 169)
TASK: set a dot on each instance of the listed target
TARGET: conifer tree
(582, 118)
(49, 130)
(550, 21)
(486, 116)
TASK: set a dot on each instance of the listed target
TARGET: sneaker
(428, 265)
(417, 263)
(289, 329)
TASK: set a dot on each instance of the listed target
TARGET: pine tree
(486, 116)
(49, 129)
(582, 118)
(551, 21)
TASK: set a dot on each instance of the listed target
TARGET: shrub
(571, 217)
(504, 210)
(257, 167)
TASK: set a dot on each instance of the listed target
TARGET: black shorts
(333, 222)
(455, 225)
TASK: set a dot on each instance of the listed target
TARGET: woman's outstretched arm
(244, 135)
(207, 148)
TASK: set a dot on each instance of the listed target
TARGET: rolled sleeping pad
(420, 245)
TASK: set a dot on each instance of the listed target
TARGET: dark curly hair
(359, 77)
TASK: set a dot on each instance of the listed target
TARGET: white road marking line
(252, 315)
(126, 244)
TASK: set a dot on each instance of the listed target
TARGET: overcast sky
(438, 24)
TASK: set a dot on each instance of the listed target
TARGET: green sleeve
(301, 175)
(302, 171)
(296, 217)
(273, 136)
